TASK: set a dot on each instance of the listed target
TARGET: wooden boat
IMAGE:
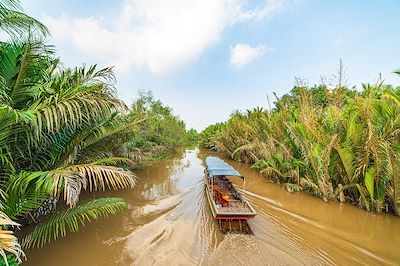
(226, 203)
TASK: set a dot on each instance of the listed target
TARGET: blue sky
(206, 58)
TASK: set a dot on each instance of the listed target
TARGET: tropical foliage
(54, 128)
(159, 134)
(71, 219)
(338, 144)
(192, 137)
(64, 131)
(208, 137)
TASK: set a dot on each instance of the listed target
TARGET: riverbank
(338, 144)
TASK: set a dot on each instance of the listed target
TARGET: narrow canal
(169, 223)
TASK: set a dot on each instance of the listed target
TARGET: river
(169, 222)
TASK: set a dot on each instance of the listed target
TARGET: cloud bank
(160, 35)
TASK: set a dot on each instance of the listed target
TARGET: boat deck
(226, 201)
(235, 207)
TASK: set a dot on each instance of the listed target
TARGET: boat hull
(221, 213)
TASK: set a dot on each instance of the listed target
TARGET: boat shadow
(241, 227)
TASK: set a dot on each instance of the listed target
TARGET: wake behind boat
(226, 202)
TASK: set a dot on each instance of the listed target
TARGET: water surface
(169, 223)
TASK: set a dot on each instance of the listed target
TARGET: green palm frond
(3, 91)
(71, 180)
(10, 4)
(95, 140)
(21, 195)
(391, 95)
(307, 183)
(393, 170)
(108, 129)
(70, 220)
(16, 23)
(74, 111)
(13, 126)
(369, 180)
(293, 187)
(22, 64)
(346, 155)
(76, 98)
(271, 171)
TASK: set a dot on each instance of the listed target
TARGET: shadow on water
(235, 227)
(168, 222)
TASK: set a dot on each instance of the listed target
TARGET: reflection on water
(169, 222)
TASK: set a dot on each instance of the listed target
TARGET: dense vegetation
(159, 133)
(64, 131)
(338, 144)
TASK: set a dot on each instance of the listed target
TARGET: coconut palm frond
(70, 220)
(71, 180)
(11, 4)
(21, 196)
(16, 23)
(22, 64)
(346, 155)
(307, 183)
(8, 242)
(271, 171)
(290, 187)
(73, 111)
(97, 141)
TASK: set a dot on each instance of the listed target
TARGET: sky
(207, 58)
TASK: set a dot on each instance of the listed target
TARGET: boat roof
(216, 167)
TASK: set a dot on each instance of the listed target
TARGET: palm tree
(50, 120)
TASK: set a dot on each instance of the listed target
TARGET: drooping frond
(8, 242)
(9, 118)
(22, 65)
(21, 195)
(16, 23)
(11, 4)
(92, 141)
(106, 130)
(76, 98)
(70, 220)
(71, 180)
(346, 155)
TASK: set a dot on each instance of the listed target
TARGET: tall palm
(50, 118)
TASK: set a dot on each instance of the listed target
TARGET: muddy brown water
(169, 223)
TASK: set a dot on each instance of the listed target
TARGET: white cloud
(161, 35)
(242, 54)
(266, 11)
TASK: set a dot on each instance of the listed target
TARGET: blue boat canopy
(216, 167)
